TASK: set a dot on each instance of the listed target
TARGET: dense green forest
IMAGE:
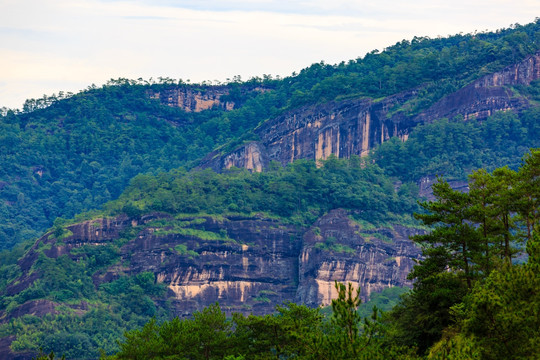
(114, 150)
(471, 250)
(81, 152)
(455, 148)
(471, 299)
(298, 194)
(67, 153)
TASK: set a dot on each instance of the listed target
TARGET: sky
(47, 46)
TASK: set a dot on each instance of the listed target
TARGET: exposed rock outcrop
(487, 95)
(192, 100)
(345, 128)
(371, 260)
(248, 264)
(251, 268)
(353, 127)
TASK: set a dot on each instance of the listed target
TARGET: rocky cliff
(353, 127)
(247, 263)
(192, 99)
(372, 259)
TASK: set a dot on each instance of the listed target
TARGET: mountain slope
(355, 127)
(61, 156)
(175, 241)
(81, 152)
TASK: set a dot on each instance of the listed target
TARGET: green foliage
(330, 244)
(469, 300)
(43, 356)
(204, 336)
(66, 154)
(106, 313)
(290, 333)
(134, 293)
(499, 318)
(421, 319)
(384, 300)
(455, 148)
(345, 317)
(182, 249)
(129, 301)
(441, 65)
(9, 269)
(166, 227)
(63, 156)
(294, 331)
(300, 193)
(503, 314)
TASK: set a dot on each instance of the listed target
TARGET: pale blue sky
(51, 45)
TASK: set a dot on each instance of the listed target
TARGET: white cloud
(48, 46)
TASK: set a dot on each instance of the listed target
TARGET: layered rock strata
(247, 264)
(193, 100)
(354, 127)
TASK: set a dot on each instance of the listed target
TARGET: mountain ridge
(175, 240)
(355, 127)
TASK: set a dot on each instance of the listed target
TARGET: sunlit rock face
(345, 128)
(248, 264)
(193, 100)
(252, 268)
(337, 248)
(355, 126)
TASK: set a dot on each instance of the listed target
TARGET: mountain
(68, 153)
(178, 241)
(158, 240)
(62, 156)
(354, 127)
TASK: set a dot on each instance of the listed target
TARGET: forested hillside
(80, 152)
(125, 229)
(76, 272)
(68, 153)
(471, 300)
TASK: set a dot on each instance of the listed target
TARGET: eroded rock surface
(370, 259)
(191, 99)
(249, 264)
(353, 127)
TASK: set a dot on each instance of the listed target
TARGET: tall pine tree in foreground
(470, 297)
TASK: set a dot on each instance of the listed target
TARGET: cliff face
(346, 128)
(371, 259)
(248, 264)
(192, 100)
(353, 127)
(487, 95)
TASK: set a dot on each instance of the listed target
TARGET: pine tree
(454, 236)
